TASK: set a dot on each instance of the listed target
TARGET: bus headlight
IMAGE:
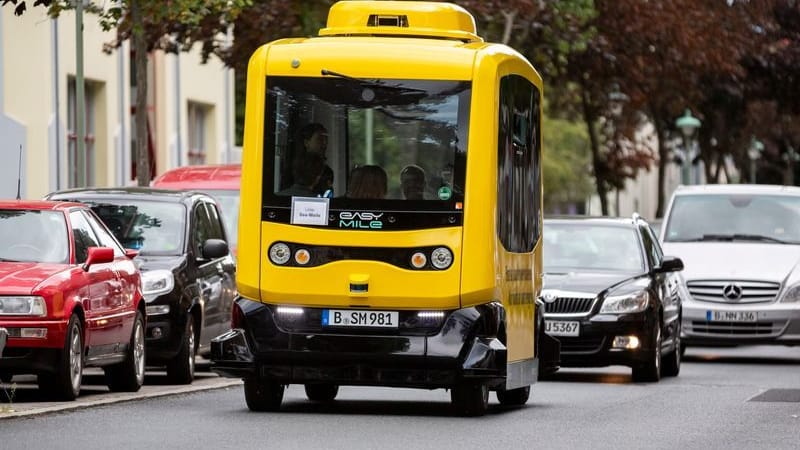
(302, 257)
(279, 253)
(441, 258)
(418, 260)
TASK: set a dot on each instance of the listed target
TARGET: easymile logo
(360, 220)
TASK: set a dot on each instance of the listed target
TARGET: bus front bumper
(463, 347)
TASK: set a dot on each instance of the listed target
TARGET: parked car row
(117, 278)
(613, 297)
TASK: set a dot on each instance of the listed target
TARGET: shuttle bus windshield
(367, 145)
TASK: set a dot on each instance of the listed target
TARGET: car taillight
(237, 316)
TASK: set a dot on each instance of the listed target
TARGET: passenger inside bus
(368, 182)
(307, 169)
(314, 137)
(412, 182)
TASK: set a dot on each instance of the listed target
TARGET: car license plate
(562, 328)
(359, 318)
(731, 316)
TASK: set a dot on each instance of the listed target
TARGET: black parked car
(188, 273)
(611, 297)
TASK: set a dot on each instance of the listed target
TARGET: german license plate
(358, 318)
(731, 316)
(562, 328)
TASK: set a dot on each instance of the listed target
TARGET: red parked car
(220, 181)
(70, 296)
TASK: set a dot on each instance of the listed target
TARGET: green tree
(566, 164)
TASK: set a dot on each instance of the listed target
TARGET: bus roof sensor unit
(402, 19)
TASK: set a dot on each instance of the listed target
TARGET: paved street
(712, 404)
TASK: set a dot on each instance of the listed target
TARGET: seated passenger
(412, 182)
(367, 182)
(307, 169)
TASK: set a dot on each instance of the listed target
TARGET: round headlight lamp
(302, 257)
(418, 260)
(279, 253)
(441, 258)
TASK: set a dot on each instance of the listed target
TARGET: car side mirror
(98, 255)
(215, 248)
(670, 264)
(131, 253)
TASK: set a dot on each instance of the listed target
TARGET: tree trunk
(663, 160)
(140, 58)
(597, 162)
(509, 17)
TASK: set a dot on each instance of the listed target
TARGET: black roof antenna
(19, 176)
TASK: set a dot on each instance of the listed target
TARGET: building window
(73, 174)
(198, 122)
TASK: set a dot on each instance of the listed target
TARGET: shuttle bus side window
(518, 164)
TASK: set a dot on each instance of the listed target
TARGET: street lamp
(688, 124)
(754, 152)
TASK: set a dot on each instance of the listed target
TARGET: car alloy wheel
(75, 358)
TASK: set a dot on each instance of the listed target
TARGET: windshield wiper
(374, 83)
(8, 260)
(735, 237)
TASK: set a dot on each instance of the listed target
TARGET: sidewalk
(21, 397)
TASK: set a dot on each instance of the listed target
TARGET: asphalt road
(714, 404)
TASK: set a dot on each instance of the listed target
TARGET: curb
(108, 399)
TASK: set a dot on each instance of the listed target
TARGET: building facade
(190, 107)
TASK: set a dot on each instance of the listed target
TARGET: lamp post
(688, 124)
(754, 152)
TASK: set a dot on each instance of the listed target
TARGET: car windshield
(152, 227)
(379, 144)
(734, 217)
(33, 236)
(575, 247)
(229, 203)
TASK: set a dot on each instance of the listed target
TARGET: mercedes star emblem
(732, 292)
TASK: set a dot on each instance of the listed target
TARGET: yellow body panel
(483, 271)
(389, 286)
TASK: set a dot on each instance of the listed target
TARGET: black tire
(671, 365)
(470, 399)
(321, 392)
(650, 371)
(514, 397)
(128, 376)
(181, 369)
(65, 382)
(263, 395)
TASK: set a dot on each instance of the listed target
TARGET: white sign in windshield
(310, 210)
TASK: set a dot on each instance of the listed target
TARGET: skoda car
(611, 297)
(741, 246)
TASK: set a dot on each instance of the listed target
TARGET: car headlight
(23, 306)
(155, 283)
(628, 303)
(792, 295)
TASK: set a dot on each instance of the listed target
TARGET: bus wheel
(470, 399)
(321, 392)
(514, 397)
(262, 395)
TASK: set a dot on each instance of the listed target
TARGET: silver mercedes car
(740, 245)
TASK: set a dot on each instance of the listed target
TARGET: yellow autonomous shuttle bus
(390, 223)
